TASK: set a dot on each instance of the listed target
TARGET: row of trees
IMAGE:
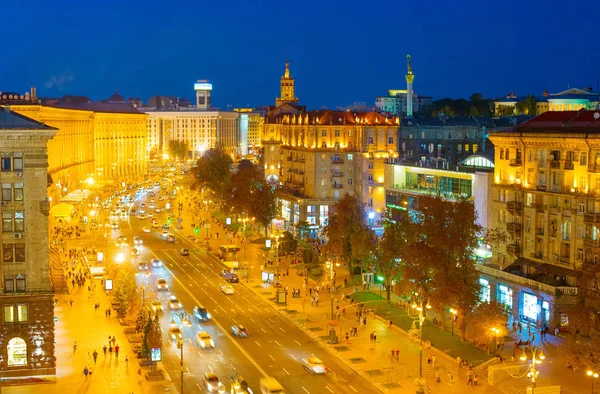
(527, 106)
(477, 105)
(178, 149)
(427, 252)
(242, 192)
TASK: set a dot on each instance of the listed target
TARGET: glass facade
(484, 292)
(505, 296)
(530, 306)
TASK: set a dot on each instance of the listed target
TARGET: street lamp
(495, 332)
(454, 313)
(593, 375)
(183, 321)
(119, 259)
(277, 257)
(418, 307)
(537, 355)
(145, 272)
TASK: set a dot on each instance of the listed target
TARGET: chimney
(545, 93)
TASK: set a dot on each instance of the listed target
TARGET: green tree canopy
(487, 322)
(505, 110)
(213, 169)
(178, 149)
(388, 250)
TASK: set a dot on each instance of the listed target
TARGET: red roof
(563, 120)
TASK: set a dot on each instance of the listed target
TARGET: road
(274, 348)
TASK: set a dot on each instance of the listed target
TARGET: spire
(287, 67)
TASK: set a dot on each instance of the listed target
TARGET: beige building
(319, 156)
(26, 294)
(546, 197)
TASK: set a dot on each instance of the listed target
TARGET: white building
(396, 102)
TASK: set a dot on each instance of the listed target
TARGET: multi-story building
(569, 100)
(396, 102)
(26, 294)
(255, 122)
(319, 156)
(99, 141)
(546, 196)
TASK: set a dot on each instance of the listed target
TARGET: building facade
(572, 99)
(546, 196)
(26, 294)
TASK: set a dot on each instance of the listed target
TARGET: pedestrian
(374, 337)
(429, 359)
(458, 361)
(104, 349)
(556, 331)
(117, 351)
(86, 371)
(475, 380)
(74, 346)
(437, 376)
(371, 337)
(520, 326)
(114, 340)
(469, 377)
(95, 355)
(71, 302)
(140, 375)
(126, 358)
(110, 348)
(347, 337)
(365, 321)
(109, 312)
(393, 354)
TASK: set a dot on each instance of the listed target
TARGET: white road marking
(272, 358)
(281, 329)
(189, 284)
(305, 389)
(257, 343)
(293, 357)
(205, 292)
(285, 370)
(355, 390)
(271, 320)
(199, 388)
(241, 310)
(278, 344)
(222, 309)
(263, 330)
(211, 370)
(330, 390)
(252, 320)
(299, 344)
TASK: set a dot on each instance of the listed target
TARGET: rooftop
(10, 120)
(562, 121)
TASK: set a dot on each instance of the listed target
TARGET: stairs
(57, 273)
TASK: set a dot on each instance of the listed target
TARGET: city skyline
(242, 48)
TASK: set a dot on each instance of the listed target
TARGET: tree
(581, 348)
(389, 250)
(487, 323)
(531, 104)
(474, 111)
(521, 107)
(505, 110)
(439, 262)
(264, 205)
(178, 149)
(348, 237)
(213, 169)
(244, 183)
(303, 228)
(476, 97)
(152, 338)
(125, 289)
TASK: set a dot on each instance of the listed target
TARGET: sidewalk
(371, 360)
(90, 329)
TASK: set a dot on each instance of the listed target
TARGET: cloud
(60, 81)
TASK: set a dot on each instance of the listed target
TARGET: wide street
(275, 346)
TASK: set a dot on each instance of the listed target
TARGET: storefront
(504, 295)
(530, 309)
(484, 291)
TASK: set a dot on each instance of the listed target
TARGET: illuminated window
(22, 314)
(370, 140)
(16, 352)
(323, 133)
(391, 140)
(9, 314)
(337, 133)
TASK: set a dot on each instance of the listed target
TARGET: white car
(227, 289)
(150, 215)
(137, 240)
(174, 303)
(157, 210)
(314, 365)
(212, 383)
(164, 234)
(204, 340)
(146, 229)
(156, 263)
(142, 216)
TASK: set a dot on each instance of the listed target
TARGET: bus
(228, 256)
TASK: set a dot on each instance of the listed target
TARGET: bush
(317, 271)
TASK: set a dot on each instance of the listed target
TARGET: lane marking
(299, 344)
(293, 357)
(278, 344)
(285, 370)
(272, 358)
(305, 390)
(330, 390)
(211, 370)
(263, 330)
(355, 390)
(257, 343)
(281, 329)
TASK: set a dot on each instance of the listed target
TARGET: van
(270, 386)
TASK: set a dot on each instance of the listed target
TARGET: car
(160, 198)
(164, 234)
(155, 225)
(240, 386)
(175, 333)
(137, 240)
(146, 229)
(240, 331)
(165, 226)
(142, 216)
(314, 365)
(201, 313)
(156, 306)
(230, 277)
(171, 239)
(174, 303)
(143, 267)
(143, 205)
(151, 206)
(212, 383)
(150, 215)
(204, 340)
(157, 210)
(121, 239)
(227, 289)
(161, 284)
(184, 252)
(156, 183)
(135, 252)
(151, 201)
(156, 263)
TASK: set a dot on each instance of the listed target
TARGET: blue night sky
(340, 52)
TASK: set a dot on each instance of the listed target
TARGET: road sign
(93, 225)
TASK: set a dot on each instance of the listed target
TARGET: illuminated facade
(569, 100)
(201, 130)
(99, 141)
(253, 130)
(26, 293)
(287, 88)
(546, 196)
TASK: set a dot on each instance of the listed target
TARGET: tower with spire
(409, 87)
(287, 94)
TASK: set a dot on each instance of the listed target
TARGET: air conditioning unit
(18, 235)
(19, 175)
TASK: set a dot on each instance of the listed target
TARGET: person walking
(469, 377)
(74, 346)
(117, 351)
(95, 355)
(475, 380)
(104, 349)
(371, 337)
(86, 371)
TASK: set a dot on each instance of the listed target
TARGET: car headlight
(208, 315)
(212, 343)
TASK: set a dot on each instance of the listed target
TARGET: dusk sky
(340, 52)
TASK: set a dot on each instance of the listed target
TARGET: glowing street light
(593, 375)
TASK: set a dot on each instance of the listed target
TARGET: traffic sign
(93, 225)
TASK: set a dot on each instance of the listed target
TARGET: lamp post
(145, 272)
(277, 258)
(420, 307)
(119, 259)
(454, 313)
(593, 375)
(495, 332)
(537, 355)
(183, 321)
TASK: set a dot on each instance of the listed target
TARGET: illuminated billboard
(202, 86)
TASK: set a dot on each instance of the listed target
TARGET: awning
(62, 210)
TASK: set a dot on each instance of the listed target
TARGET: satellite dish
(596, 115)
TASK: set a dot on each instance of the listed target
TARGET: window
(467, 147)
(323, 157)
(501, 153)
(580, 254)
(336, 194)
(583, 159)
(459, 148)
(581, 209)
(324, 144)
(9, 314)
(528, 244)
(6, 192)
(323, 182)
(527, 223)
(349, 181)
(529, 199)
(337, 133)
(370, 141)
(391, 140)
(349, 156)
(324, 170)
(22, 314)
(13, 222)
(370, 177)
(507, 154)
(580, 231)
(370, 202)
(475, 148)
(370, 165)
(16, 351)
(6, 162)
(323, 133)
(13, 253)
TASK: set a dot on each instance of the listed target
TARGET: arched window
(17, 352)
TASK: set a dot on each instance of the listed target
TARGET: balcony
(532, 284)
(337, 161)
(591, 243)
(592, 217)
(513, 205)
(541, 187)
(513, 226)
(513, 249)
(539, 232)
(337, 186)
(516, 162)
(337, 174)
(569, 165)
